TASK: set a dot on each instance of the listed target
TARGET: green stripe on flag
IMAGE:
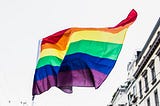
(94, 48)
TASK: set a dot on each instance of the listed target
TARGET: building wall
(121, 100)
(144, 75)
(151, 87)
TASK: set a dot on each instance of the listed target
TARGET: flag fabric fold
(81, 57)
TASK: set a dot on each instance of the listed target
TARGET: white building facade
(144, 74)
(146, 87)
(120, 97)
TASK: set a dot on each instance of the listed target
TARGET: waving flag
(81, 57)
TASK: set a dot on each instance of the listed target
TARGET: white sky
(24, 22)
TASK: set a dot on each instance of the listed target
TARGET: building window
(129, 97)
(134, 90)
(144, 74)
(158, 53)
(148, 102)
(140, 89)
(146, 83)
(121, 105)
(156, 98)
(153, 72)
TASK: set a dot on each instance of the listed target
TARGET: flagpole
(32, 103)
(39, 49)
(38, 52)
(33, 100)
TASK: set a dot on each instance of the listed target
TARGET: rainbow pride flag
(81, 57)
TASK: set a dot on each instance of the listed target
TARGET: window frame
(145, 76)
(148, 101)
(140, 89)
(153, 71)
(156, 99)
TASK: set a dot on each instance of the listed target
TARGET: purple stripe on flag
(43, 85)
(80, 78)
(99, 78)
